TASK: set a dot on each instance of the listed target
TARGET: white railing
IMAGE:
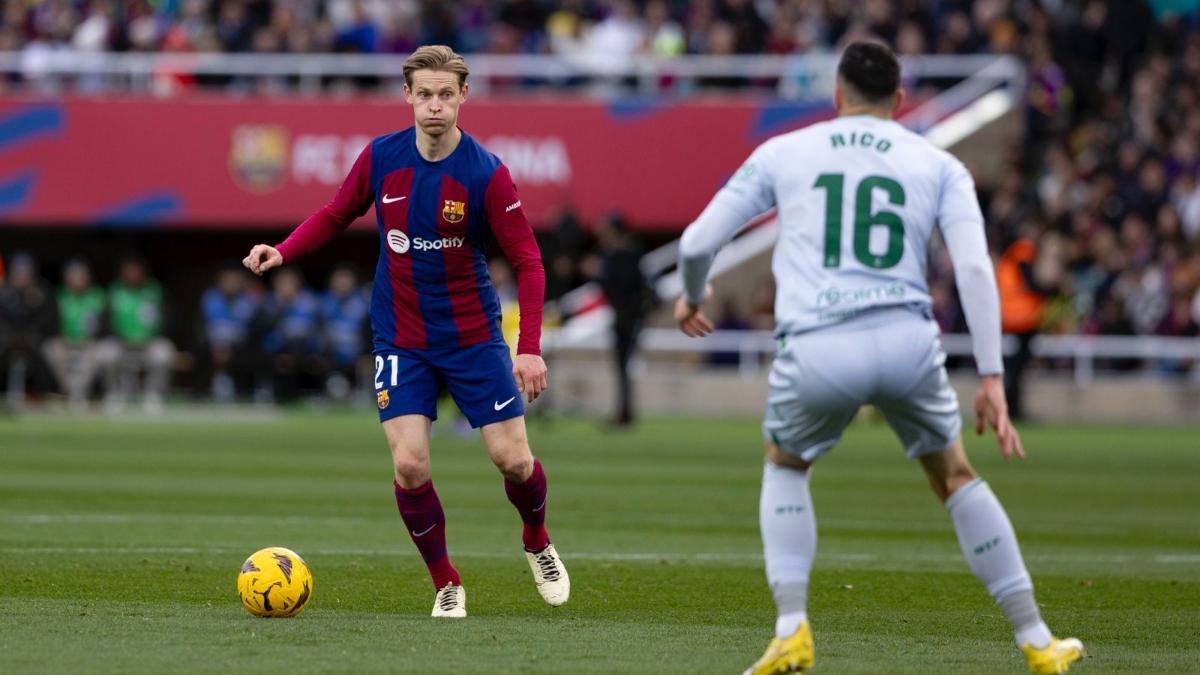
(753, 345)
(803, 77)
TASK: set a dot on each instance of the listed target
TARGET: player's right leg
(990, 546)
(406, 393)
(421, 510)
(916, 399)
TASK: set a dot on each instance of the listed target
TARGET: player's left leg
(525, 484)
(813, 394)
(989, 544)
(480, 379)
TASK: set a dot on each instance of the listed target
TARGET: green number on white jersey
(864, 220)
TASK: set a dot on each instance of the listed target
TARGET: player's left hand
(529, 370)
(691, 318)
(991, 410)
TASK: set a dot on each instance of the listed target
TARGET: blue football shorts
(479, 378)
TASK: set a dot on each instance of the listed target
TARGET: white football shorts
(890, 357)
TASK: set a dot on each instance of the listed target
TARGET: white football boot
(450, 603)
(550, 575)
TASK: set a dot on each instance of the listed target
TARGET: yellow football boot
(1055, 657)
(790, 655)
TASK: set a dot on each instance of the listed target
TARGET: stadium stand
(1105, 195)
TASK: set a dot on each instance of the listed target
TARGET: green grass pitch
(120, 542)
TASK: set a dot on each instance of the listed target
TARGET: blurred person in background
(1022, 302)
(28, 317)
(564, 250)
(629, 294)
(77, 353)
(227, 309)
(137, 345)
(345, 309)
(287, 328)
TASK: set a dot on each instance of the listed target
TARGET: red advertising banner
(223, 162)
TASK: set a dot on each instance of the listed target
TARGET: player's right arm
(749, 193)
(351, 202)
(961, 223)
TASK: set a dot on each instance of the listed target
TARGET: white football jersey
(858, 198)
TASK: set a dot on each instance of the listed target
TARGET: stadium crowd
(608, 30)
(1095, 220)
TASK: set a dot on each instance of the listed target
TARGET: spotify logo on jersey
(397, 241)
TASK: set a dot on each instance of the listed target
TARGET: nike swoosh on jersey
(389, 201)
(427, 531)
(501, 406)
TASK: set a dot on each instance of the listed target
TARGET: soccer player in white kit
(857, 199)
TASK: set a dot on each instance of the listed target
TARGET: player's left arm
(748, 193)
(515, 236)
(961, 223)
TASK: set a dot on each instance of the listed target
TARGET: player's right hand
(991, 410)
(262, 258)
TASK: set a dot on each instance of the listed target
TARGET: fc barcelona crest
(454, 211)
(383, 399)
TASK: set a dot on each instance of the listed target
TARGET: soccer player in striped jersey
(440, 197)
(858, 199)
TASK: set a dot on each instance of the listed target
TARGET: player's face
(435, 97)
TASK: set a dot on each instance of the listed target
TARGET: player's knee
(952, 479)
(411, 469)
(776, 456)
(515, 466)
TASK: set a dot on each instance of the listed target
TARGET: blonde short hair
(436, 57)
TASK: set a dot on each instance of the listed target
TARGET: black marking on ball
(285, 565)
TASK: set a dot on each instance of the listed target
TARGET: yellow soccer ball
(275, 582)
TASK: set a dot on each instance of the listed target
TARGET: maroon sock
(530, 499)
(426, 524)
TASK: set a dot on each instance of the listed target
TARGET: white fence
(753, 347)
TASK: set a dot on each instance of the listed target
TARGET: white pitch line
(749, 558)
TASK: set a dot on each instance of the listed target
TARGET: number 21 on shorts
(380, 364)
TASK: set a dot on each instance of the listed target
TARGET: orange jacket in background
(1020, 306)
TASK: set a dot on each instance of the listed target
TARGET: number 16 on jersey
(864, 220)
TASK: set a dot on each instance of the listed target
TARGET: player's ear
(462, 95)
(899, 102)
(407, 93)
(837, 97)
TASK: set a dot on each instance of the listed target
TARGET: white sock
(789, 533)
(989, 544)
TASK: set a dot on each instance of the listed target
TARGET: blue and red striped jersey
(435, 222)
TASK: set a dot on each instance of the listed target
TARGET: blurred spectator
(227, 309)
(506, 290)
(629, 294)
(563, 251)
(287, 331)
(1022, 302)
(730, 318)
(137, 345)
(77, 354)
(664, 36)
(611, 44)
(345, 310)
(28, 316)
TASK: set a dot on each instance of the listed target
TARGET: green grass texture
(120, 542)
